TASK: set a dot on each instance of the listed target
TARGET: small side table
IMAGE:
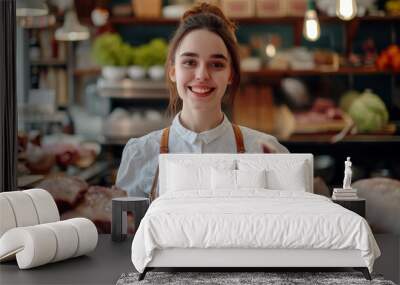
(120, 206)
(355, 205)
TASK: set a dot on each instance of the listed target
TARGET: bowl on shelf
(174, 11)
(113, 73)
(136, 72)
(156, 72)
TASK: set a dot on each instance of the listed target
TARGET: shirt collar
(206, 136)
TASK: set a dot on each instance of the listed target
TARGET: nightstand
(355, 205)
(120, 206)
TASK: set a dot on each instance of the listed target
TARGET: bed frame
(242, 259)
(246, 258)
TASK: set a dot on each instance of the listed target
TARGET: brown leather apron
(164, 149)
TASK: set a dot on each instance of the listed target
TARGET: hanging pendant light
(31, 8)
(311, 28)
(346, 9)
(72, 30)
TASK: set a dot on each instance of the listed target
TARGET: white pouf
(87, 235)
(45, 205)
(31, 230)
(33, 246)
(40, 244)
(23, 208)
(7, 220)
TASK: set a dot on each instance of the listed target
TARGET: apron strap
(239, 139)
(164, 141)
(163, 149)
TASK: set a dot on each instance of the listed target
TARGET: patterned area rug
(269, 278)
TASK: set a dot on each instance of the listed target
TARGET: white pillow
(297, 180)
(188, 176)
(237, 179)
(251, 178)
(281, 175)
(183, 178)
(223, 179)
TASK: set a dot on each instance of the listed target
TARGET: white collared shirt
(140, 156)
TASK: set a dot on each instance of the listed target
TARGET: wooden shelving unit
(316, 72)
(359, 138)
(315, 138)
(87, 71)
(351, 27)
(253, 20)
(133, 89)
(280, 73)
(49, 63)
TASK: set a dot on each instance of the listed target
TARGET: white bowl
(174, 11)
(136, 72)
(156, 72)
(113, 73)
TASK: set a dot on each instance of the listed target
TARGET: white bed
(268, 217)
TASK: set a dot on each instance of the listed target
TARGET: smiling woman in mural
(203, 70)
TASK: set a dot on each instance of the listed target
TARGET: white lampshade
(31, 8)
(72, 30)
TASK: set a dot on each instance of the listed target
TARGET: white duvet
(253, 218)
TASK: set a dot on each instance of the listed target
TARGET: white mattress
(253, 218)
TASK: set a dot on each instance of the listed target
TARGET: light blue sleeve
(138, 166)
(256, 140)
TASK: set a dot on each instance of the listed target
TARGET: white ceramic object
(156, 72)
(118, 124)
(136, 72)
(174, 11)
(113, 73)
(251, 64)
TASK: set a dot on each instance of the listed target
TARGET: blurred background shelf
(130, 20)
(90, 174)
(87, 71)
(360, 138)
(294, 139)
(49, 62)
(371, 70)
(127, 88)
(112, 113)
(317, 72)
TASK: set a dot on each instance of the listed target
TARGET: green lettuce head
(369, 112)
(153, 53)
(109, 49)
(347, 99)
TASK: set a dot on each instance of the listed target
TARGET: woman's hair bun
(206, 8)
